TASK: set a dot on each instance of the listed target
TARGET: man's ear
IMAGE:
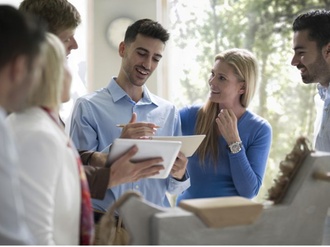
(326, 51)
(121, 49)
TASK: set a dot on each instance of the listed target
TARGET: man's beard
(317, 72)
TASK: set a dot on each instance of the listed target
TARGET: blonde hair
(245, 68)
(49, 91)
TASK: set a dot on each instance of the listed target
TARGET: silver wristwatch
(235, 147)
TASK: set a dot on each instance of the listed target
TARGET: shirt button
(136, 187)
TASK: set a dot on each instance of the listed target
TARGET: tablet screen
(147, 149)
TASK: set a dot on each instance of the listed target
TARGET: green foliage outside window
(205, 27)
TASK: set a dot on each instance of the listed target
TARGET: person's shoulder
(98, 94)
(191, 108)
(93, 95)
(257, 119)
(93, 98)
(27, 116)
(159, 100)
(34, 124)
(162, 103)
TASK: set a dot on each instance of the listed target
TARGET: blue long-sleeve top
(239, 174)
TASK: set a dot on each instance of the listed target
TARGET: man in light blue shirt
(311, 45)
(322, 139)
(127, 100)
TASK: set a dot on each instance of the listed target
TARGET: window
(200, 29)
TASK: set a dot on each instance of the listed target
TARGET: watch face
(235, 148)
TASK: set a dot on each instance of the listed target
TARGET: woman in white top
(50, 170)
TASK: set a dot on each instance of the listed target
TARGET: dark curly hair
(147, 28)
(317, 23)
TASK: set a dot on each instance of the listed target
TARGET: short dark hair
(58, 14)
(317, 23)
(20, 34)
(147, 28)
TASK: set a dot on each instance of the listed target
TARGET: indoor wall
(103, 58)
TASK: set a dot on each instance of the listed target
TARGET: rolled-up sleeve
(176, 187)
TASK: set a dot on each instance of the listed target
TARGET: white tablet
(189, 143)
(147, 149)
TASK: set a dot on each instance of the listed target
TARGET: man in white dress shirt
(21, 40)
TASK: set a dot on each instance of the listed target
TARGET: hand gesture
(136, 130)
(227, 125)
(125, 171)
(179, 167)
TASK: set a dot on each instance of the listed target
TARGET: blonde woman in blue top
(232, 159)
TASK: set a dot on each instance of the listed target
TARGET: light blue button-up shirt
(93, 127)
(323, 137)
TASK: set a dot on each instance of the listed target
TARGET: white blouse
(13, 229)
(50, 178)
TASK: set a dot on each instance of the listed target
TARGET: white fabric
(13, 229)
(50, 180)
(319, 104)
